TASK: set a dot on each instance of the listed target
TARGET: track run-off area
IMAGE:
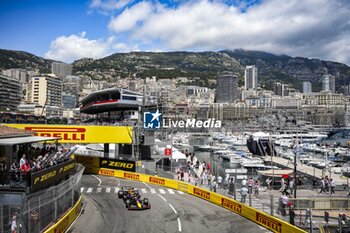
(171, 211)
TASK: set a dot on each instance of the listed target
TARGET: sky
(67, 30)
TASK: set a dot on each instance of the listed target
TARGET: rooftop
(7, 132)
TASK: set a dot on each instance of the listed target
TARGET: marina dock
(307, 170)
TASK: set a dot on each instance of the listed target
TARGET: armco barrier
(62, 225)
(269, 222)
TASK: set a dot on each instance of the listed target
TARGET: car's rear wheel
(145, 201)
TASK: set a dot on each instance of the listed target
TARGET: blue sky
(67, 30)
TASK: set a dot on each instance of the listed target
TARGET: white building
(328, 83)
(307, 87)
(45, 90)
(250, 78)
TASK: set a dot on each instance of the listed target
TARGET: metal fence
(37, 211)
(321, 203)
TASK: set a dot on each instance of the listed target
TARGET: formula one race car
(132, 199)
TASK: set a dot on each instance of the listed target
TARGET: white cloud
(129, 18)
(313, 28)
(73, 47)
(105, 6)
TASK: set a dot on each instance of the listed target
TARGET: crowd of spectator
(41, 158)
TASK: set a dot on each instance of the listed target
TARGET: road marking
(180, 192)
(179, 222)
(116, 189)
(162, 197)
(99, 190)
(89, 190)
(98, 180)
(147, 185)
(173, 208)
(108, 190)
(143, 190)
(153, 191)
(82, 189)
(161, 191)
(171, 191)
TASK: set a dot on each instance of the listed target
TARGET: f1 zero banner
(81, 133)
(47, 177)
(117, 164)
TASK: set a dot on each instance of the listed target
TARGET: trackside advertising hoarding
(81, 133)
(48, 177)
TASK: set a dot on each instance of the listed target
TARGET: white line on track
(98, 180)
(153, 191)
(116, 189)
(146, 185)
(162, 197)
(179, 222)
(161, 191)
(99, 190)
(82, 189)
(89, 190)
(108, 190)
(171, 191)
(143, 190)
(118, 183)
(180, 192)
(173, 208)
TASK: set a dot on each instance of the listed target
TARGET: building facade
(45, 90)
(307, 87)
(10, 93)
(226, 89)
(250, 78)
(61, 70)
(328, 83)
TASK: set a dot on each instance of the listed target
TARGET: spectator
(332, 185)
(250, 185)
(25, 168)
(244, 192)
(283, 185)
(23, 160)
(14, 224)
(256, 188)
(219, 181)
(323, 186)
(268, 182)
(244, 182)
(291, 215)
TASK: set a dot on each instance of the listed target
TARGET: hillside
(163, 65)
(291, 70)
(192, 64)
(20, 59)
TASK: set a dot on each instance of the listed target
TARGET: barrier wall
(269, 222)
(63, 224)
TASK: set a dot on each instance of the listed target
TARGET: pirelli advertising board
(81, 133)
(118, 164)
(50, 176)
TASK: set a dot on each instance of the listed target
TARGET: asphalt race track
(171, 211)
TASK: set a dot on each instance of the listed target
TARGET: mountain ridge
(206, 65)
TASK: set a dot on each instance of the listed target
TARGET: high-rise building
(328, 83)
(226, 88)
(61, 70)
(10, 93)
(250, 78)
(307, 87)
(45, 90)
(68, 100)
